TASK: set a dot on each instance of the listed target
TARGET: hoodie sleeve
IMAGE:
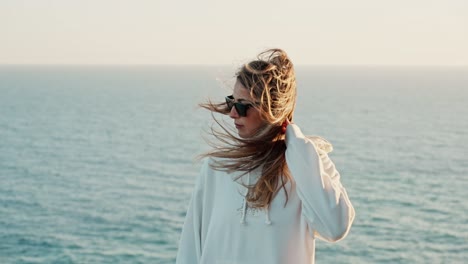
(325, 203)
(190, 245)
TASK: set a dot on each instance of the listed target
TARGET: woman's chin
(248, 134)
(242, 134)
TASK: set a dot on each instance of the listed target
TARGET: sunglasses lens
(241, 108)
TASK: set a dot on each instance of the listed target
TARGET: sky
(332, 32)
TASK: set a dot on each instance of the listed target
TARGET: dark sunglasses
(240, 107)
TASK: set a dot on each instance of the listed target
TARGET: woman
(265, 194)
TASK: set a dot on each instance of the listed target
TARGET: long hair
(271, 81)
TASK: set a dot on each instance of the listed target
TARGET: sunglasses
(240, 107)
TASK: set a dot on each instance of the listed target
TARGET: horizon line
(230, 65)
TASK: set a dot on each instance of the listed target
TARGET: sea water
(97, 163)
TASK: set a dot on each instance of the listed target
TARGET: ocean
(97, 163)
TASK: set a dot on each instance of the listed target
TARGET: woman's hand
(285, 125)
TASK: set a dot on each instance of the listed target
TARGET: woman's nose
(233, 113)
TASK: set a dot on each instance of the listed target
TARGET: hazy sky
(396, 32)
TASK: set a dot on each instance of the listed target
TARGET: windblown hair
(271, 82)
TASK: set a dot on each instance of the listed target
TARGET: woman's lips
(238, 126)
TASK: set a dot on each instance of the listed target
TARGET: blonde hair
(271, 82)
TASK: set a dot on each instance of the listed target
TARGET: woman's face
(246, 125)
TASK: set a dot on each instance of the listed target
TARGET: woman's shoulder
(211, 166)
(209, 162)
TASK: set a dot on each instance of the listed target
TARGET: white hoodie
(220, 228)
